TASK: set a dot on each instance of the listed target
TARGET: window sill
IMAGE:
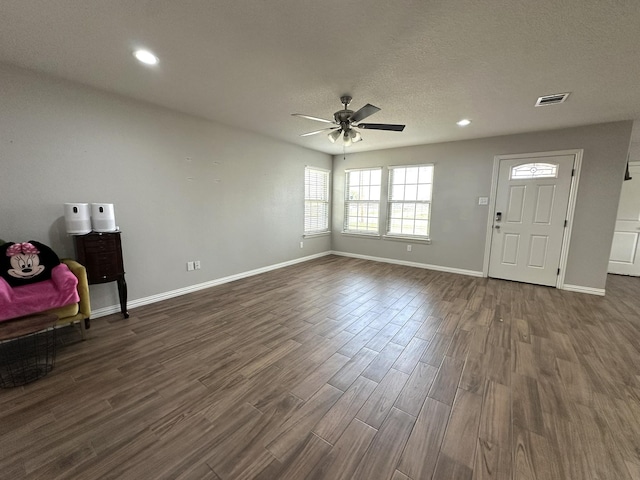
(364, 235)
(407, 239)
(319, 234)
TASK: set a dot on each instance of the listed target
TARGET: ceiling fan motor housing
(342, 117)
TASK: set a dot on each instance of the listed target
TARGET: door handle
(497, 227)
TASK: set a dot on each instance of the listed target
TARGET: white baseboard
(438, 268)
(101, 312)
(581, 289)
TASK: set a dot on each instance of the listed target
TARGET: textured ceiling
(251, 63)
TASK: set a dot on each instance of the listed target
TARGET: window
(316, 201)
(362, 201)
(409, 208)
(534, 170)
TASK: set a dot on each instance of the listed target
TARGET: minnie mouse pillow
(27, 262)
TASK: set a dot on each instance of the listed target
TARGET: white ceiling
(425, 63)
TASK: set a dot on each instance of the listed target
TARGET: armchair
(76, 312)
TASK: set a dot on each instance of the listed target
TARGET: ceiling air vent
(552, 99)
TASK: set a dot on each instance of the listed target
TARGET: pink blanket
(36, 297)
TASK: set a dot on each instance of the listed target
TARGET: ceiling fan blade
(319, 131)
(312, 118)
(381, 126)
(364, 112)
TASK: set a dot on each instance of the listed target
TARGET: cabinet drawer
(101, 243)
(102, 271)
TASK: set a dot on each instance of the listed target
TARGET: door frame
(630, 163)
(573, 193)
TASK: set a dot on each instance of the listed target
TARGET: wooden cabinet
(101, 254)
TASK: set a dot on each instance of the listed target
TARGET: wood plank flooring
(341, 368)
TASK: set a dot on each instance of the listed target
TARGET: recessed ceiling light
(146, 57)
(464, 122)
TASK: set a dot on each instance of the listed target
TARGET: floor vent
(552, 99)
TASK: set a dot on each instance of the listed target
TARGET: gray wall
(634, 147)
(183, 188)
(188, 189)
(463, 173)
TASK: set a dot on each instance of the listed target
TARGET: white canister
(77, 218)
(103, 217)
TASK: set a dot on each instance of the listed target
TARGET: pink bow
(25, 248)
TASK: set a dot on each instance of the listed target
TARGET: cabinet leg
(122, 293)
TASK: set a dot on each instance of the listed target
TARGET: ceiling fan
(346, 121)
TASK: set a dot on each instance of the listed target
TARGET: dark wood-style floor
(342, 369)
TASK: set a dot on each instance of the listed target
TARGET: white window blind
(316, 200)
(409, 208)
(362, 201)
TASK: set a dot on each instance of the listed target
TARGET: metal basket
(27, 358)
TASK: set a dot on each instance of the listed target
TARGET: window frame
(324, 200)
(390, 202)
(348, 202)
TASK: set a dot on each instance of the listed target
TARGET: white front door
(529, 218)
(625, 249)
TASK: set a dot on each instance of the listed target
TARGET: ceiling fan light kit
(333, 136)
(346, 121)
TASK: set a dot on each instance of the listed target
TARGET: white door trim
(573, 193)
(627, 226)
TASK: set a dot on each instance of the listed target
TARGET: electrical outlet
(301, 244)
(409, 248)
(196, 264)
(190, 266)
